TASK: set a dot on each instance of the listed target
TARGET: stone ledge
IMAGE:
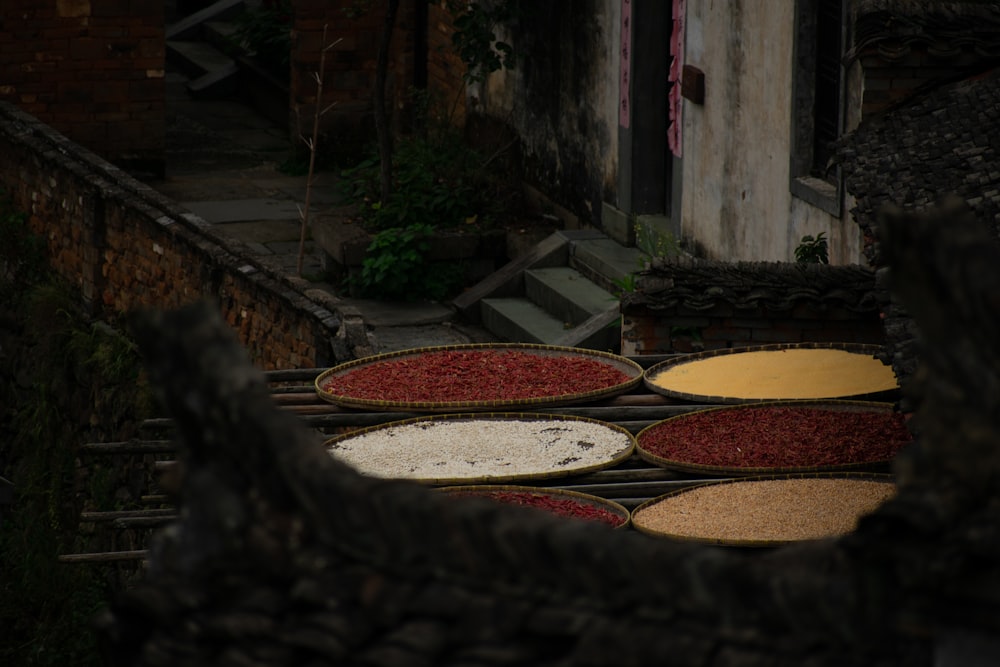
(344, 245)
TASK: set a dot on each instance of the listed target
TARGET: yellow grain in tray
(777, 374)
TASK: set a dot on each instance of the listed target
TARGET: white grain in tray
(475, 448)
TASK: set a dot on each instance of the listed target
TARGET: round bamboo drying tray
(745, 509)
(726, 377)
(492, 490)
(687, 466)
(631, 370)
(618, 453)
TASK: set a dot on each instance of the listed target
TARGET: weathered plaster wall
(124, 246)
(736, 203)
(562, 99)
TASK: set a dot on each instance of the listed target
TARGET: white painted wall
(735, 197)
(735, 200)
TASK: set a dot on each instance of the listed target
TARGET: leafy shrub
(437, 181)
(812, 250)
(22, 254)
(266, 33)
(77, 382)
(475, 38)
(396, 268)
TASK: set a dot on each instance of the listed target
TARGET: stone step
(212, 72)
(563, 293)
(508, 281)
(190, 27)
(566, 293)
(221, 35)
(518, 320)
(216, 84)
(605, 262)
(601, 331)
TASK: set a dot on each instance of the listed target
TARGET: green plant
(475, 40)
(266, 33)
(694, 333)
(812, 250)
(654, 242)
(396, 267)
(357, 8)
(22, 253)
(438, 181)
(625, 284)
(79, 382)
(46, 607)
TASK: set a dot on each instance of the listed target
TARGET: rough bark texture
(283, 556)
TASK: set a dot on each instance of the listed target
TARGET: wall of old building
(121, 245)
(732, 183)
(681, 329)
(736, 198)
(351, 39)
(92, 69)
(562, 99)
(698, 305)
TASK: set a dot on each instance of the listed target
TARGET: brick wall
(123, 246)
(349, 66)
(891, 77)
(680, 329)
(93, 70)
(695, 305)
(444, 68)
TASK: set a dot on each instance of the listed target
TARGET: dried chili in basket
(475, 375)
(778, 437)
(557, 504)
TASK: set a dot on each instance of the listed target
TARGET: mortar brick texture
(888, 81)
(124, 246)
(81, 66)
(349, 74)
(665, 331)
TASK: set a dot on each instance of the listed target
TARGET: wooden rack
(628, 483)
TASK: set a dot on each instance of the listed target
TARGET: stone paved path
(224, 163)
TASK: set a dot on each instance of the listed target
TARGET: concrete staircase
(198, 45)
(562, 292)
(202, 48)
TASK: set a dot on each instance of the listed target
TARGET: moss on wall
(63, 381)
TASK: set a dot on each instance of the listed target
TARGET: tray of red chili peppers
(561, 502)
(777, 437)
(477, 376)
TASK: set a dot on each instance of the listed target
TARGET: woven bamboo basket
(754, 509)
(644, 452)
(570, 468)
(720, 374)
(492, 491)
(631, 370)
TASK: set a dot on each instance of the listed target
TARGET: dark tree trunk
(382, 129)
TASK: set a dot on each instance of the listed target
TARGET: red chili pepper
(557, 504)
(778, 437)
(475, 375)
